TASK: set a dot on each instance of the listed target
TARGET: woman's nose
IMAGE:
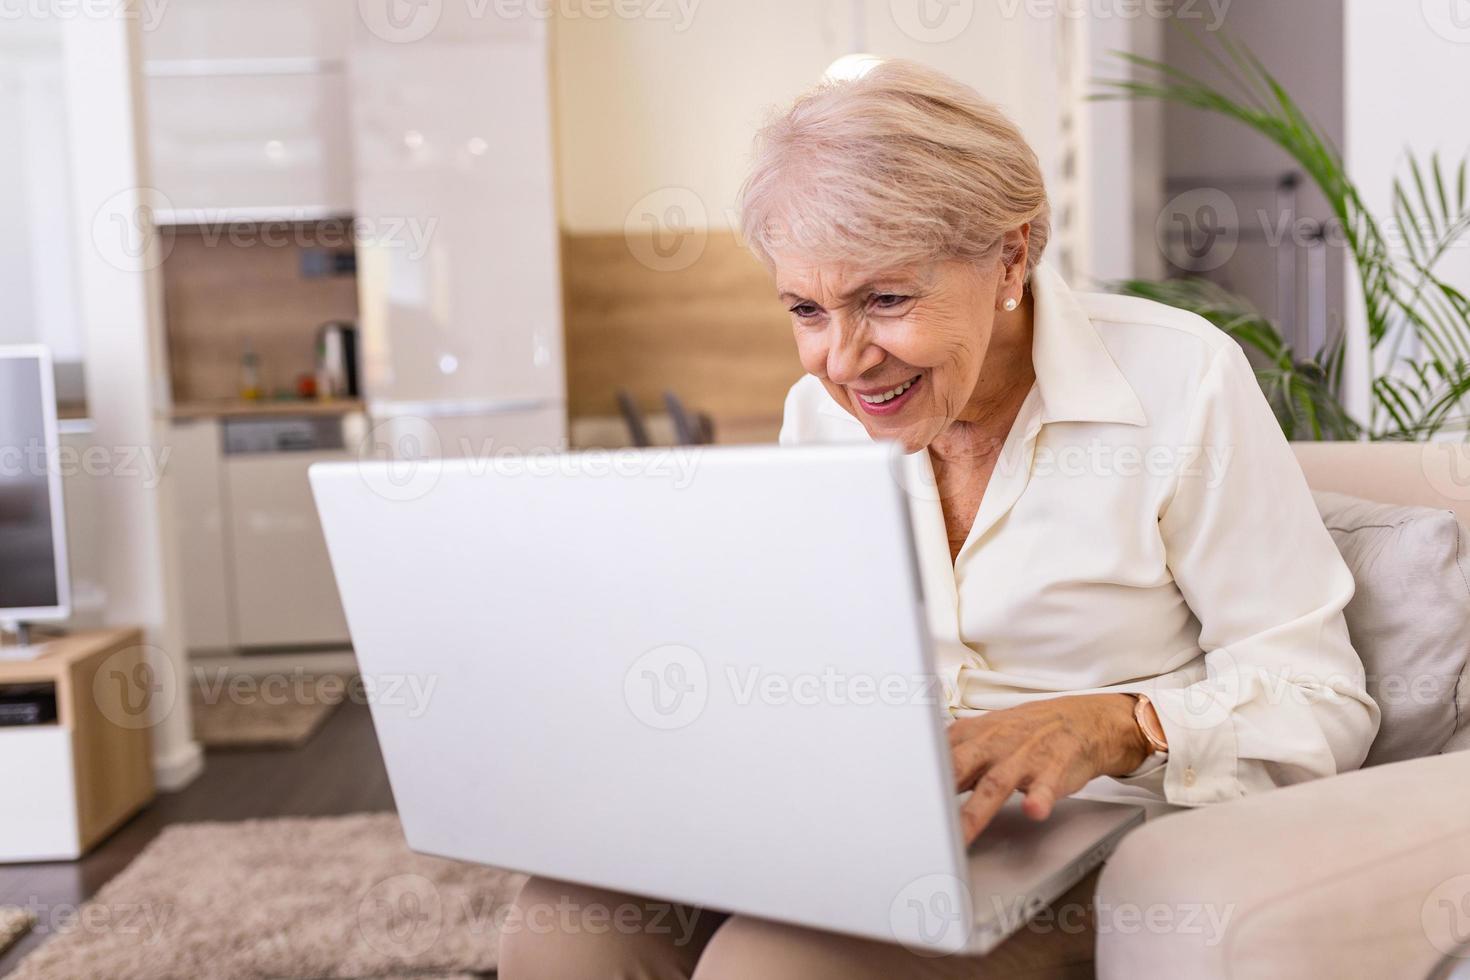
(850, 355)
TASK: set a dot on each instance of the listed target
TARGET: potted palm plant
(1418, 324)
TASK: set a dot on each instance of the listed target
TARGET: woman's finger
(992, 790)
(1042, 793)
(970, 759)
(963, 729)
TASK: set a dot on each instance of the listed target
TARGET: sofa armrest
(1366, 874)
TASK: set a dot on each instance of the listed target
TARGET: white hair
(902, 164)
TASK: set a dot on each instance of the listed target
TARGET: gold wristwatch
(1148, 723)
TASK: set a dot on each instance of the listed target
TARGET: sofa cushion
(1362, 875)
(1409, 620)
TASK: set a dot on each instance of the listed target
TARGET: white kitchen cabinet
(197, 491)
(253, 565)
(247, 110)
(284, 590)
(459, 283)
(217, 30)
(243, 146)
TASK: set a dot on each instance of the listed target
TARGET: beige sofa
(1365, 874)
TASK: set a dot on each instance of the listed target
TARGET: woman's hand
(1048, 749)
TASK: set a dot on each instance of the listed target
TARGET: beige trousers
(561, 931)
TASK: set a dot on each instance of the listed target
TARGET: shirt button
(1189, 776)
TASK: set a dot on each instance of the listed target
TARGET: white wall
(1121, 159)
(36, 282)
(1407, 73)
(645, 104)
(120, 303)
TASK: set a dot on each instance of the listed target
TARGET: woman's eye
(805, 310)
(889, 301)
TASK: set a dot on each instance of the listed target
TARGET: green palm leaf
(1424, 384)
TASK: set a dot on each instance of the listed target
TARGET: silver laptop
(699, 675)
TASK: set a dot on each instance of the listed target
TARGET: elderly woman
(1130, 589)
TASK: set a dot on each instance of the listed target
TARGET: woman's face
(900, 348)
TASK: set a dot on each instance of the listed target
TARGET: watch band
(1148, 724)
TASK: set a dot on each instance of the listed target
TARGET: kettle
(336, 360)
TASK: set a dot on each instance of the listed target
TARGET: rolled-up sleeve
(1278, 696)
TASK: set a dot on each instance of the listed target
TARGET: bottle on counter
(250, 374)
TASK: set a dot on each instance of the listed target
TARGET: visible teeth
(890, 394)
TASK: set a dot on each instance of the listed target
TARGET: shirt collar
(1078, 378)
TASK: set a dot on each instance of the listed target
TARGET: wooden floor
(339, 771)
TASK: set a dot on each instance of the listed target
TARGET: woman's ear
(1010, 288)
(1016, 251)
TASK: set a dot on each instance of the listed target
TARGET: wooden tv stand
(71, 782)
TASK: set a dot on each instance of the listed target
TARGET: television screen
(28, 572)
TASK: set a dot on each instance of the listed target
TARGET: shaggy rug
(14, 923)
(321, 898)
(264, 718)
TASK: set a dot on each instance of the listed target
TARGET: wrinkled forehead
(826, 279)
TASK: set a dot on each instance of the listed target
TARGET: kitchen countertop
(266, 407)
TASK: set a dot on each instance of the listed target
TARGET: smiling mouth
(886, 402)
(890, 394)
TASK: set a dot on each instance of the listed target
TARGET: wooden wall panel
(222, 288)
(713, 333)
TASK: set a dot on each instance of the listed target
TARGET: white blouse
(1146, 529)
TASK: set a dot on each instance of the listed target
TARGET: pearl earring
(1010, 304)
